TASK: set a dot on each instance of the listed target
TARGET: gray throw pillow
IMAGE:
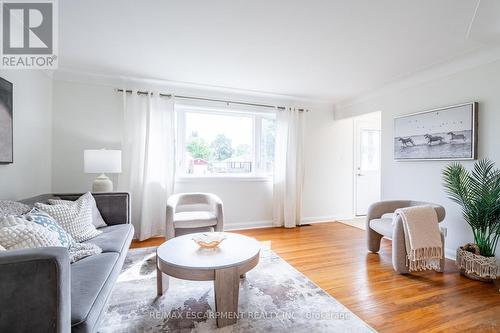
(8, 207)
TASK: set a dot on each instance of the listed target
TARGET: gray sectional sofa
(40, 291)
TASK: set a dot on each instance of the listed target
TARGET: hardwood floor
(334, 256)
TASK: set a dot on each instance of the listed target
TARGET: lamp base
(102, 184)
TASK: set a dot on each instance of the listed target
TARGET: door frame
(356, 125)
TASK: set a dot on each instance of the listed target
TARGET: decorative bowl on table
(209, 240)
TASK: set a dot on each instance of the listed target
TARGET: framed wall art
(448, 133)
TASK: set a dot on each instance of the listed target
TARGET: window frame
(257, 173)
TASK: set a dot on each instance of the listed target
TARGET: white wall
(328, 182)
(30, 174)
(84, 117)
(422, 180)
(87, 114)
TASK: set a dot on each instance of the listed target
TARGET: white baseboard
(450, 254)
(322, 219)
(248, 225)
(269, 223)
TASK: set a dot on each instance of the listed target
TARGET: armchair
(193, 212)
(379, 223)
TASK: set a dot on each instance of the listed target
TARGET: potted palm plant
(478, 193)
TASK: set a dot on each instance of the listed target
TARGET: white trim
(322, 219)
(248, 225)
(114, 80)
(195, 179)
(450, 254)
(467, 61)
(269, 223)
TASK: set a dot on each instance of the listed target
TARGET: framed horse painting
(448, 133)
(6, 129)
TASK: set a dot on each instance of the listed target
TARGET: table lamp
(102, 161)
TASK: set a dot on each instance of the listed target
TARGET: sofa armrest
(35, 295)
(113, 206)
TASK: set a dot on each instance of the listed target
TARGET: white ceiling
(316, 49)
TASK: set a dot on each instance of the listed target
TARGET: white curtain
(288, 168)
(148, 160)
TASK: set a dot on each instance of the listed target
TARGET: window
(370, 150)
(220, 143)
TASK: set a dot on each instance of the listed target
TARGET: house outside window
(225, 143)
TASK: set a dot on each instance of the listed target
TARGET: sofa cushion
(382, 226)
(387, 216)
(113, 238)
(194, 219)
(91, 283)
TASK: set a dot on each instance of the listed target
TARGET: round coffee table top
(183, 252)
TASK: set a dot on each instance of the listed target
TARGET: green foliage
(478, 193)
(198, 148)
(221, 148)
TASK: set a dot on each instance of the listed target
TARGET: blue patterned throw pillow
(44, 219)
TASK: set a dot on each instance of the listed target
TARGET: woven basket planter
(476, 267)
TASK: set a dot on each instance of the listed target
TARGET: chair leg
(373, 240)
(399, 249)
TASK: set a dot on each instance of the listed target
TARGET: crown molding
(462, 63)
(175, 87)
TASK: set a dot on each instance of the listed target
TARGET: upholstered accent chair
(194, 212)
(379, 223)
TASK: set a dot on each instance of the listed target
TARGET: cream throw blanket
(424, 247)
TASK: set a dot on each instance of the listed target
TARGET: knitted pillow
(19, 233)
(74, 216)
(97, 219)
(45, 220)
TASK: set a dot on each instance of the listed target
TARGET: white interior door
(367, 166)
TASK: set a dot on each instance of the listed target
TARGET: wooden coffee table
(182, 258)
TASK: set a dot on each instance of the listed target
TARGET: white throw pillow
(74, 216)
(97, 219)
(45, 220)
(19, 233)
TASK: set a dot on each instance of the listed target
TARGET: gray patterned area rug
(274, 297)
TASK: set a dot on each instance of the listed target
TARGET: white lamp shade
(102, 161)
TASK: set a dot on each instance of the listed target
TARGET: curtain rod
(211, 100)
